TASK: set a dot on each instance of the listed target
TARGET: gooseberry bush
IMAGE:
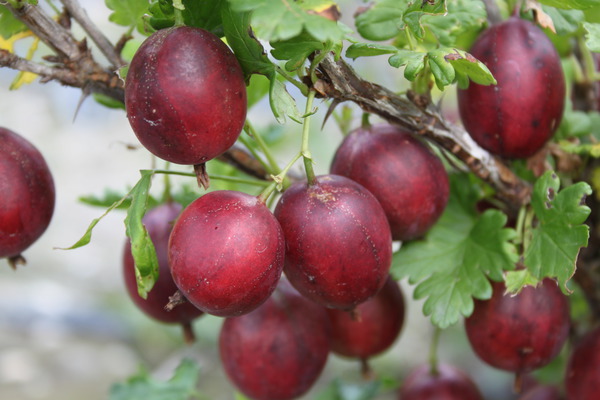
(470, 184)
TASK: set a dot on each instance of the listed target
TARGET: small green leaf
(296, 50)
(417, 9)
(9, 25)
(570, 4)
(369, 49)
(87, 236)
(517, 280)
(142, 248)
(442, 70)
(560, 232)
(282, 103)
(463, 17)
(247, 49)
(468, 67)
(127, 12)
(181, 386)
(458, 256)
(414, 61)
(278, 20)
(382, 21)
(566, 22)
(592, 37)
(204, 14)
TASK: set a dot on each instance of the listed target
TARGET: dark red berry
(447, 383)
(338, 241)
(185, 95)
(518, 115)
(523, 332)
(277, 351)
(409, 181)
(27, 195)
(582, 374)
(226, 253)
(159, 223)
(372, 327)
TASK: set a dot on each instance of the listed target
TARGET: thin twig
(81, 16)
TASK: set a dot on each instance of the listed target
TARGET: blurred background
(67, 327)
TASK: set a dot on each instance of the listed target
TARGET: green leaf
(142, 248)
(247, 49)
(468, 68)
(282, 103)
(387, 18)
(413, 60)
(570, 4)
(369, 49)
(128, 12)
(442, 70)
(566, 22)
(257, 89)
(592, 37)
(417, 9)
(463, 16)
(9, 25)
(517, 280)
(296, 50)
(277, 20)
(204, 14)
(142, 386)
(458, 256)
(560, 232)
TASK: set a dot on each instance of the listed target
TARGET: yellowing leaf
(9, 44)
(26, 77)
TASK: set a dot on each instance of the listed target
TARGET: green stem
(167, 197)
(244, 140)
(520, 225)
(305, 151)
(273, 167)
(527, 234)
(265, 194)
(301, 86)
(178, 12)
(433, 350)
(233, 179)
(365, 124)
(589, 66)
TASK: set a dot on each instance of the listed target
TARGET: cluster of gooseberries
(311, 277)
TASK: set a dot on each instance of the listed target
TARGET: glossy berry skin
(523, 332)
(27, 194)
(226, 253)
(185, 95)
(338, 241)
(516, 117)
(278, 351)
(582, 374)
(372, 327)
(449, 383)
(159, 223)
(409, 181)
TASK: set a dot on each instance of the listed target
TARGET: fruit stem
(178, 8)
(589, 66)
(167, 196)
(364, 123)
(272, 166)
(189, 337)
(365, 369)
(433, 347)
(305, 152)
(265, 194)
(233, 179)
(301, 86)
